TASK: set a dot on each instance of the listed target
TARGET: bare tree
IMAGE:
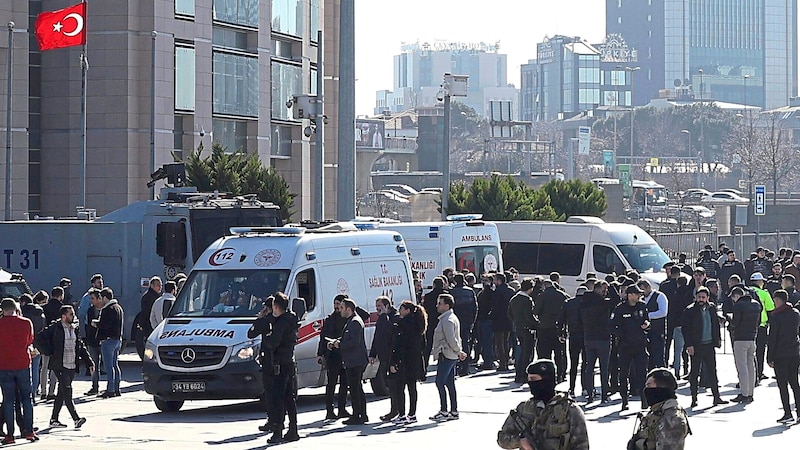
(743, 149)
(778, 158)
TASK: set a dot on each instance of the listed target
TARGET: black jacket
(627, 321)
(382, 339)
(729, 268)
(407, 345)
(595, 314)
(783, 341)
(143, 318)
(52, 310)
(485, 300)
(548, 307)
(677, 306)
(429, 303)
(283, 338)
(35, 314)
(746, 319)
(762, 265)
(262, 326)
(466, 305)
(110, 323)
(332, 327)
(571, 318)
(692, 324)
(54, 333)
(520, 311)
(499, 314)
(90, 331)
(353, 346)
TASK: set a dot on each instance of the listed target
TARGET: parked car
(733, 191)
(401, 188)
(692, 212)
(724, 198)
(694, 195)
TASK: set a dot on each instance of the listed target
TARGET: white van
(463, 242)
(579, 246)
(201, 351)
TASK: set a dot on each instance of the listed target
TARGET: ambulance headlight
(149, 351)
(245, 352)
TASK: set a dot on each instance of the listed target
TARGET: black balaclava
(656, 395)
(545, 388)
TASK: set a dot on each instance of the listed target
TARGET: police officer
(281, 342)
(262, 327)
(630, 323)
(665, 425)
(548, 419)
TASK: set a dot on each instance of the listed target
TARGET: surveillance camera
(308, 132)
(202, 132)
(289, 103)
(440, 96)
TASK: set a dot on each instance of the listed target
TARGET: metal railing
(691, 243)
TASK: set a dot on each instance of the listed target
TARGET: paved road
(132, 421)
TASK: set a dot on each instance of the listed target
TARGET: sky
(381, 27)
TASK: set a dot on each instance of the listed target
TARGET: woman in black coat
(407, 365)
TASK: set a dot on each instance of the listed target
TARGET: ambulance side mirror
(299, 308)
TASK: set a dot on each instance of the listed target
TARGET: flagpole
(84, 69)
(9, 116)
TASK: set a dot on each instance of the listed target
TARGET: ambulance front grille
(191, 355)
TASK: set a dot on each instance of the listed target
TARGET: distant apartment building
(420, 67)
(738, 51)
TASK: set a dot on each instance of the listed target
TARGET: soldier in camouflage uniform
(548, 421)
(665, 426)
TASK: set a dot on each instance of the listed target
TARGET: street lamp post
(571, 166)
(630, 71)
(453, 86)
(702, 86)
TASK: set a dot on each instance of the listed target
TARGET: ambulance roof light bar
(291, 231)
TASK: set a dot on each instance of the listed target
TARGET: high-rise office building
(740, 51)
(224, 70)
(420, 67)
(563, 80)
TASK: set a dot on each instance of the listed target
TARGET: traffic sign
(761, 197)
(742, 184)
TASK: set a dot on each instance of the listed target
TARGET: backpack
(44, 341)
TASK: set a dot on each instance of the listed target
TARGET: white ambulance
(579, 246)
(462, 242)
(201, 351)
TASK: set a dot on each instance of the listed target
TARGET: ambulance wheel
(379, 387)
(168, 405)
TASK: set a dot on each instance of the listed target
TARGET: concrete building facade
(223, 74)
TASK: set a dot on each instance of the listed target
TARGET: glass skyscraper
(740, 51)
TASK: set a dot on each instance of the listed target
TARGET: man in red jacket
(16, 337)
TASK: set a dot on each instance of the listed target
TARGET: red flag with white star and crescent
(63, 28)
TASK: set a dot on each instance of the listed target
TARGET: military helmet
(664, 377)
(544, 367)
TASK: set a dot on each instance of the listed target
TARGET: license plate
(188, 386)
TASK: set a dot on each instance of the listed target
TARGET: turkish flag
(63, 28)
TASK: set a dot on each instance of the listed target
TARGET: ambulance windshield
(228, 293)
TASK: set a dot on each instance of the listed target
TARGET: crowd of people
(643, 339)
(48, 338)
